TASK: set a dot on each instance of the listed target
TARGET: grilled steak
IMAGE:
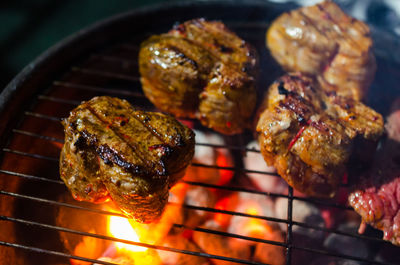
(377, 196)
(201, 69)
(308, 134)
(113, 151)
(322, 40)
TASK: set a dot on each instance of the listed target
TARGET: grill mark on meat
(113, 129)
(295, 104)
(180, 28)
(282, 90)
(314, 25)
(179, 140)
(310, 22)
(110, 156)
(183, 56)
(330, 61)
(212, 47)
(344, 33)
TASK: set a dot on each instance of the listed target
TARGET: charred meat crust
(308, 134)
(201, 69)
(138, 154)
(321, 40)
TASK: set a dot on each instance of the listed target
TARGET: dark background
(32, 26)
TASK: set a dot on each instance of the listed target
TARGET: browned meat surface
(323, 41)
(201, 69)
(308, 134)
(377, 196)
(113, 151)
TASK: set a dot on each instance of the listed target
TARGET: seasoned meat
(307, 134)
(113, 151)
(200, 69)
(323, 41)
(376, 197)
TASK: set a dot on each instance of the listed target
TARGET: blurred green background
(29, 27)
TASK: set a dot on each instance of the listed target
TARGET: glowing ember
(120, 228)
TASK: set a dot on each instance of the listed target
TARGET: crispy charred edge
(171, 150)
(179, 53)
(251, 53)
(115, 131)
(167, 149)
(108, 155)
(323, 188)
(178, 139)
(289, 85)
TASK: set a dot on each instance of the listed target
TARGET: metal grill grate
(30, 157)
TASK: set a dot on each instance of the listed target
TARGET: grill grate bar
(31, 177)
(52, 159)
(226, 234)
(108, 213)
(99, 89)
(230, 188)
(54, 253)
(56, 159)
(59, 100)
(42, 116)
(329, 204)
(114, 239)
(48, 138)
(289, 227)
(234, 169)
(114, 59)
(206, 255)
(206, 209)
(90, 71)
(54, 139)
(57, 203)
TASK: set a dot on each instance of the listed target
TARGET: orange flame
(120, 227)
(255, 227)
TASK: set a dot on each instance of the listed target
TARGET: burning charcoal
(226, 203)
(220, 245)
(268, 253)
(347, 245)
(84, 246)
(202, 197)
(255, 161)
(125, 254)
(172, 214)
(253, 204)
(119, 260)
(175, 258)
(303, 212)
(209, 155)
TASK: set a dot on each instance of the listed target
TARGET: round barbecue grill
(102, 60)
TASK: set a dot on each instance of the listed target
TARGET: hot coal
(347, 245)
(264, 182)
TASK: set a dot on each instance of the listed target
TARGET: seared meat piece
(307, 134)
(377, 196)
(322, 40)
(201, 69)
(113, 151)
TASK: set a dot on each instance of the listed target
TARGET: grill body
(102, 60)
